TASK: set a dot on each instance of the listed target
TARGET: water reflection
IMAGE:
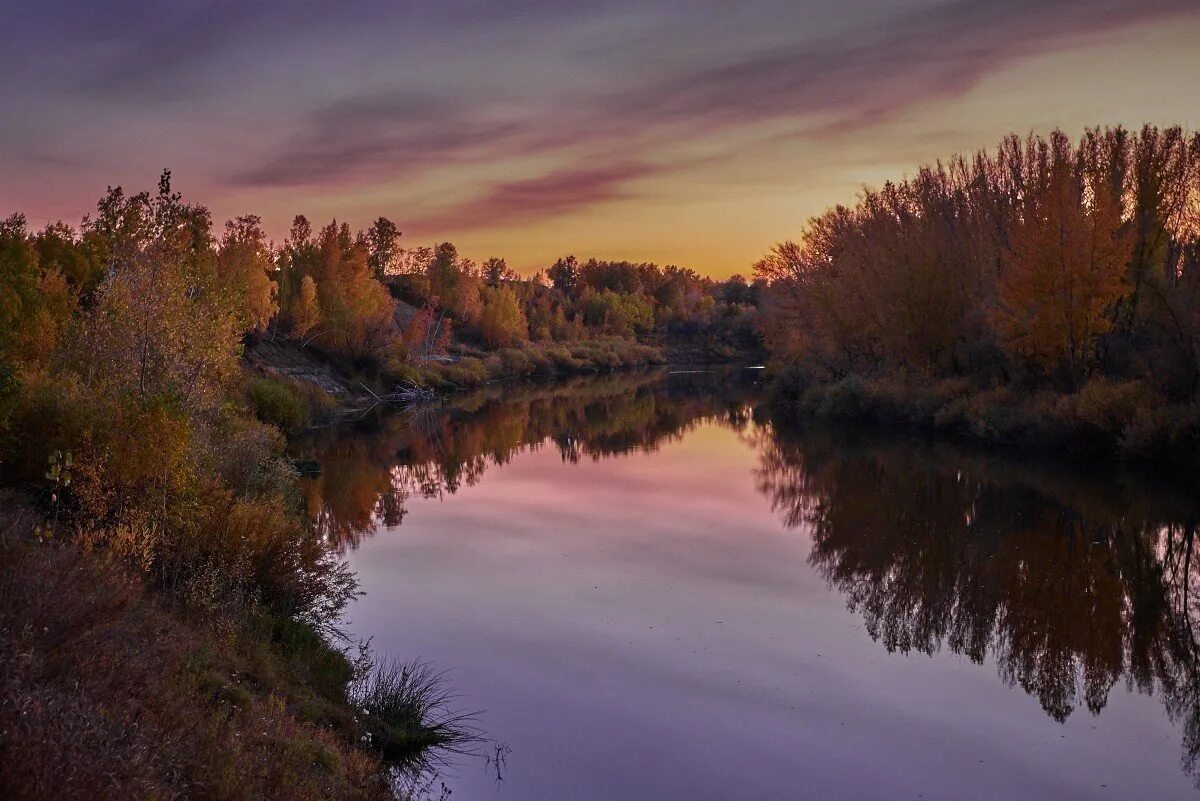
(1068, 583)
(369, 472)
(1065, 583)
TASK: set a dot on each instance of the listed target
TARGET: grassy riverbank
(112, 689)
(1103, 419)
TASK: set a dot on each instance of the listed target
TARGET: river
(653, 586)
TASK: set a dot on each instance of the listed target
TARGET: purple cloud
(865, 76)
(549, 195)
(277, 94)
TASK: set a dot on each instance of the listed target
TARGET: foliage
(381, 240)
(503, 323)
(278, 403)
(123, 410)
(245, 263)
(1038, 267)
(1065, 265)
(619, 313)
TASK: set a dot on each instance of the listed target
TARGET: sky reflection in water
(653, 590)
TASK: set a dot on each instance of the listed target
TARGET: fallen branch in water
(405, 396)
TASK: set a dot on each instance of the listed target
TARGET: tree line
(1045, 265)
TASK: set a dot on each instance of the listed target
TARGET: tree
(503, 323)
(1065, 267)
(564, 275)
(245, 264)
(296, 259)
(382, 237)
(18, 280)
(77, 259)
(428, 333)
(161, 329)
(306, 312)
(453, 283)
(623, 314)
(496, 270)
(357, 311)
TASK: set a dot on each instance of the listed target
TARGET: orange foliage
(1065, 266)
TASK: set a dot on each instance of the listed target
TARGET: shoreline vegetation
(1041, 296)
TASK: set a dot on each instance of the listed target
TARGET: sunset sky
(695, 133)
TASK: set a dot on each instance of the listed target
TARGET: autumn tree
(1065, 267)
(18, 280)
(295, 261)
(620, 313)
(357, 313)
(161, 327)
(78, 258)
(383, 251)
(428, 333)
(454, 283)
(564, 275)
(503, 323)
(245, 264)
(496, 270)
(306, 310)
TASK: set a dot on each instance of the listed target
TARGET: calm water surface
(654, 589)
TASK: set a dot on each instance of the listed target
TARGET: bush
(515, 362)
(846, 400)
(561, 358)
(278, 402)
(1110, 406)
(396, 373)
(1170, 432)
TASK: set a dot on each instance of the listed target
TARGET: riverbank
(1108, 420)
(113, 689)
(110, 691)
(295, 388)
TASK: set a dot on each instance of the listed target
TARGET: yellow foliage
(503, 322)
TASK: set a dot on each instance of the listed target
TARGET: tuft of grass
(406, 711)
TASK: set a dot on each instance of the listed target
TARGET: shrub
(1110, 406)
(516, 362)
(845, 400)
(1171, 432)
(278, 402)
(502, 323)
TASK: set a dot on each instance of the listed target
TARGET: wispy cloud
(549, 195)
(376, 137)
(317, 98)
(865, 76)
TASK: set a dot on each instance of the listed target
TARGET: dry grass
(106, 693)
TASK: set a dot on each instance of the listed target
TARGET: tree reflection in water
(369, 472)
(1066, 583)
